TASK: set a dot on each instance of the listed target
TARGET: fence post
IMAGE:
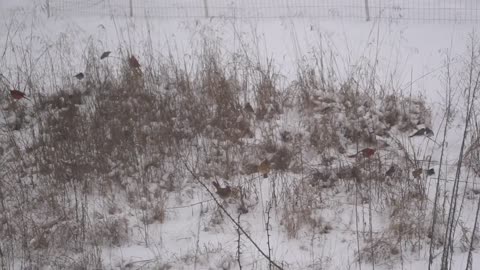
(47, 7)
(367, 10)
(205, 5)
(131, 8)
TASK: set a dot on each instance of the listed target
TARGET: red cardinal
(367, 153)
(18, 94)
(133, 62)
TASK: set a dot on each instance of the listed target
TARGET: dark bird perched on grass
(133, 62)
(366, 152)
(423, 132)
(430, 172)
(264, 168)
(80, 76)
(18, 94)
(391, 171)
(223, 192)
(416, 173)
(105, 55)
(249, 108)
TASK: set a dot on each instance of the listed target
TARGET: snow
(414, 53)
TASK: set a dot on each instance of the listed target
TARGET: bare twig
(239, 252)
(195, 176)
(437, 190)
(472, 240)
(474, 80)
(269, 209)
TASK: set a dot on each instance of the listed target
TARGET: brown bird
(223, 192)
(80, 76)
(264, 168)
(18, 94)
(367, 153)
(391, 171)
(105, 55)
(416, 173)
(133, 62)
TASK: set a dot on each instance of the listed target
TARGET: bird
(105, 55)
(423, 132)
(264, 168)
(133, 62)
(391, 171)
(249, 108)
(366, 152)
(223, 192)
(286, 136)
(80, 76)
(430, 171)
(416, 173)
(18, 94)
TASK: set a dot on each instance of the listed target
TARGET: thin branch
(269, 209)
(437, 190)
(239, 252)
(230, 217)
(450, 231)
(472, 240)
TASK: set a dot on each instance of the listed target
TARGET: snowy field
(298, 224)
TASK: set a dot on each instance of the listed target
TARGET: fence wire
(410, 10)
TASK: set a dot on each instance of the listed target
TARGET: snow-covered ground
(409, 57)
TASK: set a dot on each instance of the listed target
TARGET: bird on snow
(430, 171)
(80, 76)
(223, 192)
(105, 55)
(366, 152)
(264, 168)
(416, 173)
(391, 171)
(249, 108)
(423, 132)
(18, 94)
(133, 62)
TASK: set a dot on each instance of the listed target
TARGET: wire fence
(458, 11)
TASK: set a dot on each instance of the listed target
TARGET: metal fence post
(131, 8)
(205, 5)
(367, 10)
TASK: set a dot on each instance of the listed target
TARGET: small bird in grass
(366, 152)
(423, 132)
(430, 172)
(264, 168)
(416, 173)
(249, 108)
(18, 94)
(223, 192)
(105, 55)
(80, 76)
(133, 62)
(391, 171)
